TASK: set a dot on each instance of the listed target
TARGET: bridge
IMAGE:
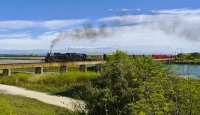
(165, 60)
(63, 65)
(39, 66)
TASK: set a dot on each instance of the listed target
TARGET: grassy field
(26, 106)
(63, 84)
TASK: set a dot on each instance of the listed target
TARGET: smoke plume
(174, 25)
(86, 32)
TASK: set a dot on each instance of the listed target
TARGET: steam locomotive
(67, 57)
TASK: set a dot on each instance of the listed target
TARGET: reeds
(49, 82)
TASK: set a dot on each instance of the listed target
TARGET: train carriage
(94, 57)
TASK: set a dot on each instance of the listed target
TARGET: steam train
(67, 57)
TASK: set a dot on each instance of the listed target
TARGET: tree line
(194, 55)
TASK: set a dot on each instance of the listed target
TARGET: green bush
(22, 77)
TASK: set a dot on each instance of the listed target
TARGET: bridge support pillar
(39, 70)
(167, 61)
(63, 69)
(83, 68)
(6, 72)
(97, 67)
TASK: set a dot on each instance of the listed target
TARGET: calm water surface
(19, 61)
(32, 71)
(187, 69)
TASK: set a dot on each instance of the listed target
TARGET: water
(187, 70)
(32, 71)
(20, 61)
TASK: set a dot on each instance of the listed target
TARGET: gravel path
(69, 103)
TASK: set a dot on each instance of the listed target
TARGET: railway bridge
(39, 66)
(165, 60)
(63, 65)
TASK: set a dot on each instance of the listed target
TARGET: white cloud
(14, 35)
(125, 9)
(56, 24)
(178, 11)
(17, 24)
(27, 42)
(124, 19)
(51, 24)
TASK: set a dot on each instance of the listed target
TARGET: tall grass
(51, 83)
(63, 78)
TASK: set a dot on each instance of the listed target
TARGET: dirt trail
(69, 103)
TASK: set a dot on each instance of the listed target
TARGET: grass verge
(50, 83)
(28, 106)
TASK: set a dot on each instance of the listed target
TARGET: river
(20, 61)
(187, 70)
(29, 71)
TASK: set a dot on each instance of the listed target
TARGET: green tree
(111, 93)
(195, 55)
(119, 88)
(182, 55)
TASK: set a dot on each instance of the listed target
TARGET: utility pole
(181, 49)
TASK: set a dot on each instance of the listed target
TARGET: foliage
(140, 86)
(52, 83)
(183, 56)
(195, 55)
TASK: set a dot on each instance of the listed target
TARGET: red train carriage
(158, 56)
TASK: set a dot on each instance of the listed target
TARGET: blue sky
(100, 26)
